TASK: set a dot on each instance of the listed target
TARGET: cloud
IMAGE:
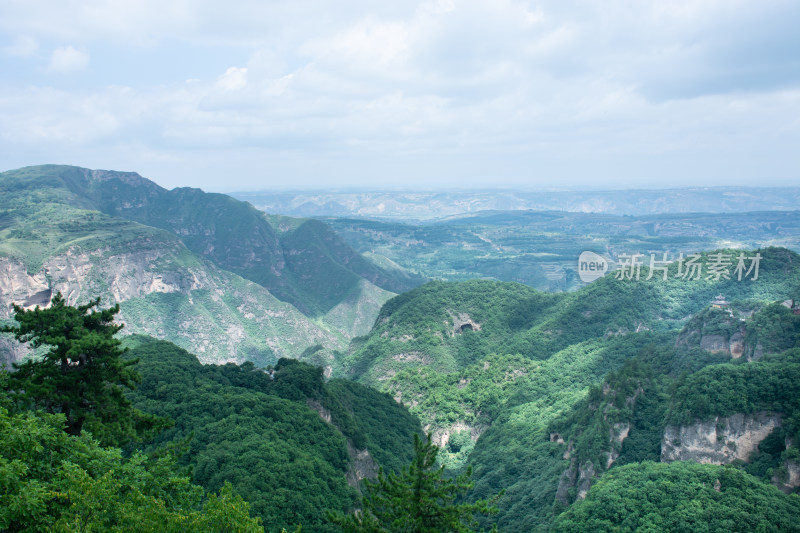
(467, 87)
(67, 59)
(22, 47)
(233, 79)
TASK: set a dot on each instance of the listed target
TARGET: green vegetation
(769, 384)
(543, 396)
(81, 373)
(594, 369)
(303, 263)
(541, 249)
(52, 481)
(283, 438)
(681, 497)
(121, 237)
(420, 499)
(258, 431)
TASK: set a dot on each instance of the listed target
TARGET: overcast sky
(261, 94)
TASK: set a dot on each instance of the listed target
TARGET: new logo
(591, 266)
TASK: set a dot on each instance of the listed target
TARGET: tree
(420, 499)
(52, 481)
(81, 373)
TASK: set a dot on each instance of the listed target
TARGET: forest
(102, 430)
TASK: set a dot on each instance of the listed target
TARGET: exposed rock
(585, 478)
(441, 436)
(566, 482)
(212, 313)
(581, 478)
(362, 466)
(715, 344)
(720, 440)
(617, 434)
(17, 286)
(736, 345)
(11, 351)
(463, 322)
(324, 413)
(412, 357)
(790, 480)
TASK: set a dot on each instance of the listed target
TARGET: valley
(541, 249)
(295, 357)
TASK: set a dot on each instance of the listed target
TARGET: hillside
(203, 270)
(490, 368)
(291, 444)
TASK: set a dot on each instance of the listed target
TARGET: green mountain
(206, 271)
(293, 445)
(502, 374)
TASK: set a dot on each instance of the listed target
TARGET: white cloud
(233, 79)
(67, 59)
(22, 47)
(474, 84)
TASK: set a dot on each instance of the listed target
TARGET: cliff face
(579, 477)
(720, 440)
(80, 275)
(167, 292)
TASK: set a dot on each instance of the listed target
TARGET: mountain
(541, 248)
(292, 444)
(428, 205)
(209, 272)
(510, 380)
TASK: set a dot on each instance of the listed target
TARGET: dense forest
(561, 437)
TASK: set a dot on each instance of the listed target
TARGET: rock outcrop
(579, 477)
(720, 440)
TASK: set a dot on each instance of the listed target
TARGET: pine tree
(81, 373)
(420, 499)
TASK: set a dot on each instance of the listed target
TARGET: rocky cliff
(167, 292)
(719, 440)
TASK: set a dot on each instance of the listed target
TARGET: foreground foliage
(420, 499)
(258, 431)
(53, 481)
(81, 373)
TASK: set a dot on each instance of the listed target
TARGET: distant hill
(541, 248)
(427, 205)
(211, 273)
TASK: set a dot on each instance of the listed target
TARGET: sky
(253, 95)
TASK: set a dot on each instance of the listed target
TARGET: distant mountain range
(541, 248)
(427, 205)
